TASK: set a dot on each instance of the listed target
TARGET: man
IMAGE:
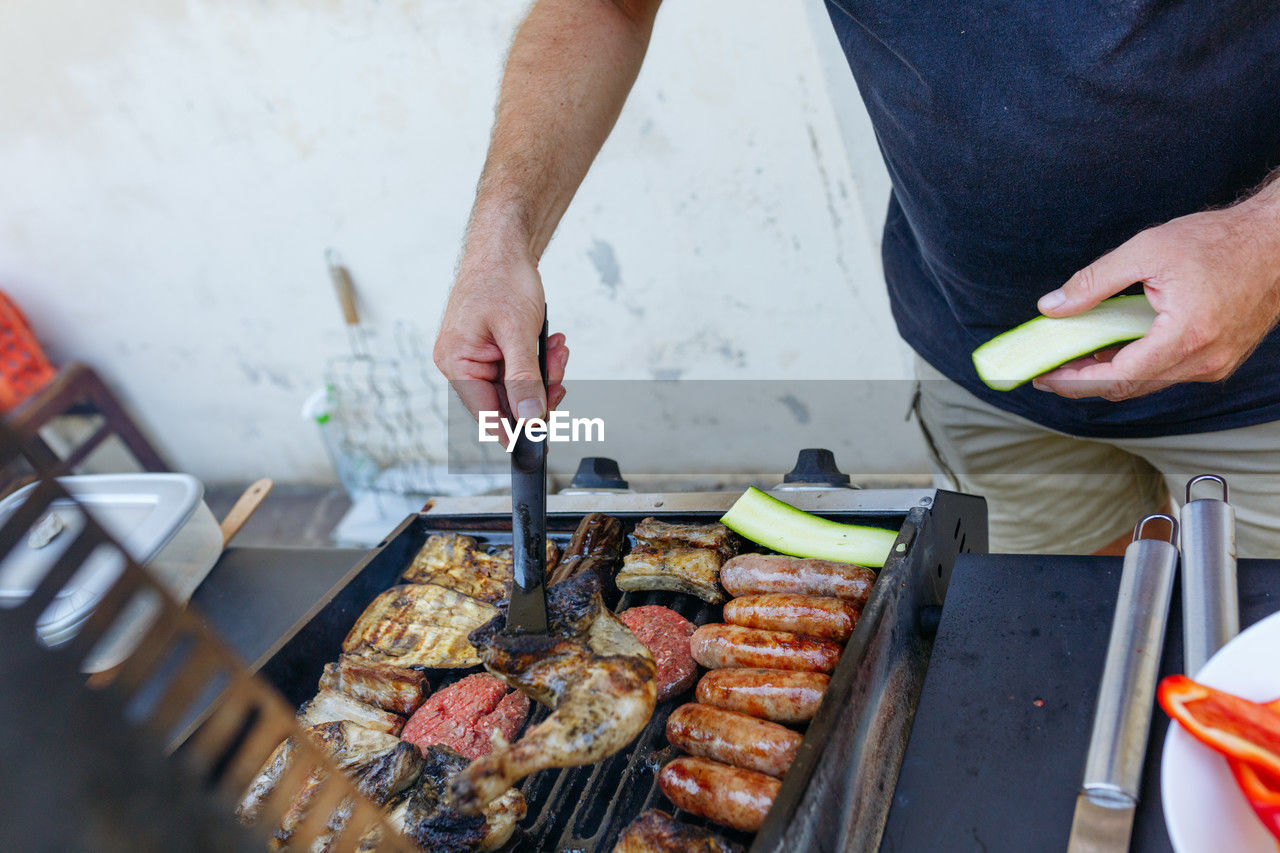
(1023, 141)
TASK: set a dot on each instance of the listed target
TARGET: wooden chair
(76, 390)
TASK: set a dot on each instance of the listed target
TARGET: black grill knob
(817, 466)
(599, 472)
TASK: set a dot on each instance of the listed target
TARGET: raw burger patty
(665, 633)
(463, 715)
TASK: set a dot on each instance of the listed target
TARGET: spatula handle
(1210, 598)
(1122, 718)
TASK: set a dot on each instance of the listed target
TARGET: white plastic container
(160, 519)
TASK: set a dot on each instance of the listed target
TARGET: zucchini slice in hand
(768, 521)
(1038, 346)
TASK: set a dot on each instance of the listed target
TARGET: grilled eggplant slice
(329, 706)
(695, 571)
(595, 546)
(398, 689)
(460, 563)
(419, 625)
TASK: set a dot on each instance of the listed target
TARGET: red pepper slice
(1262, 790)
(1245, 732)
(1235, 727)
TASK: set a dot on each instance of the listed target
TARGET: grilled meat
(823, 617)
(657, 832)
(380, 764)
(771, 694)
(593, 671)
(717, 646)
(755, 574)
(328, 706)
(679, 558)
(265, 782)
(694, 571)
(464, 716)
(426, 814)
(665, 634)
(728, 795)
(419, 625)
(716, 537)
(460, 563)
(398, 689)
(595, 546)
(733, 738)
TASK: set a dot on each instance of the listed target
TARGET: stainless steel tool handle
(1122, 720)
(1210, 601)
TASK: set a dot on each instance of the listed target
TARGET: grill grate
(585, 808)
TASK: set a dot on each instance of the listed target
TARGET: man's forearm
(568, 73)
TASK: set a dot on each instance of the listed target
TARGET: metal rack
(85, 760)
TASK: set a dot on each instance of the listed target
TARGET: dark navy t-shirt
(1026, 139)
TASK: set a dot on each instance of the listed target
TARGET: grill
(837, 793)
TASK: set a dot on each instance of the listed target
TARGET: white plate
(1203, 809)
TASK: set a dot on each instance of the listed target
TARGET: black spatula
(527, 611)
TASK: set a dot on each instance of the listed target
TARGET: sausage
(820, 616)
(733, 738)
(728, 795)
(718, 646)
(752, 574)
(773, 694)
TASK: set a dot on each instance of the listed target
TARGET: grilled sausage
(820, 616)
(752, 574)
(728, 795)
(773, 694)
(733, 738)
(718, 646)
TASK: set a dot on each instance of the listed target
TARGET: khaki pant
(1052, 493)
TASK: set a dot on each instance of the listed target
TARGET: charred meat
(398, 689)
(426, 815)
(419, 625)
(589, 668)
(657, 832)
(466, 715)
(665, 534)
(460, 563)
(679, 558)
(595, 546)
(329, 706)
(380, 764)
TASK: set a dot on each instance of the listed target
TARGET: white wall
(171, 172)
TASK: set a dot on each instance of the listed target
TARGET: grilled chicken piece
(595, 546)
(657, 832)
(419, 625)
(380, 764)
(398, 689)
(717, 537)
(426, 815)
(329, 706)
(589, 667)
(460, 563)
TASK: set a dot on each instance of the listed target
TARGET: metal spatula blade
(527, 610)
